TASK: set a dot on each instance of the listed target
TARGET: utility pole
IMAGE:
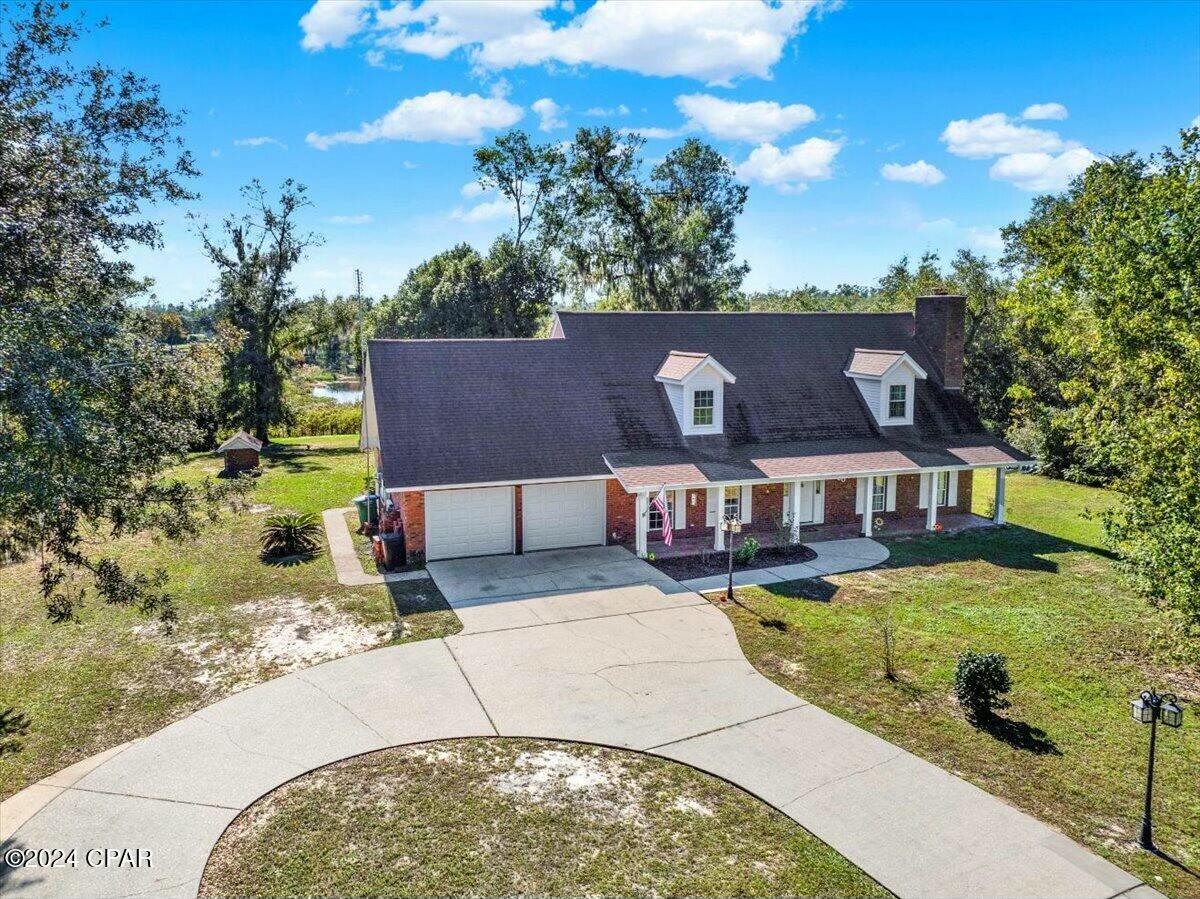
(358, 297)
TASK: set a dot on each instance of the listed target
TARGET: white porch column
(643, 523)
(718, 534)
(931, 509)
(868, 501)
(794, 510)
(998, 511)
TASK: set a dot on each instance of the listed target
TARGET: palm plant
(290, 534)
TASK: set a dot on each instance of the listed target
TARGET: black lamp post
(1150, 708)
(730, 525)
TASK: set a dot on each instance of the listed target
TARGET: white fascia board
(726, 375)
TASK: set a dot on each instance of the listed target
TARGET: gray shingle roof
(482, 411)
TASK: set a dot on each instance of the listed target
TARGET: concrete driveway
(631, 667)
(486, 579)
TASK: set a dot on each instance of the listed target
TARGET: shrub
(313, 421)
(746, 553)
(980, 682)
(291, 534)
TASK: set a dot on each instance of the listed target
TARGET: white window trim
(651, 510)
(906, 415)
(712, 410)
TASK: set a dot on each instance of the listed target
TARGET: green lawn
(1043, 593)
(112, 676)
(497, 817)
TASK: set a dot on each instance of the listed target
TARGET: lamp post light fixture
(731, 525)
(1151, 708)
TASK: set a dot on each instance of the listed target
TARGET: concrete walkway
(349, 568)
(833, 557)
(629, 667)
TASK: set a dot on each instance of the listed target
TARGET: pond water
(345, 393)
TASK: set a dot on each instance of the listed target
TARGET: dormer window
(898, 401)
(886, 380)
(702, 409)
(695, 386)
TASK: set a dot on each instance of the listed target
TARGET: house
(503, 446)
(240, 452)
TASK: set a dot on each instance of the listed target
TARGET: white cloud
(787, 170)
(996, 134)
(919, 172)
(437, 116)
(487, 211)
(1054, 111)
(652, 132)
(1042, 171)
(985, 239)
(715, 41)
(550, 114)
(255, 142)
(350, 219)
(409, 164)
(1196, 122)
(471, 189)
(758, 122)
(330, 23)
(608, 112)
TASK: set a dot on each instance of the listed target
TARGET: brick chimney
(942, 329)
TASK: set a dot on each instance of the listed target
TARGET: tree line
(1083, 342)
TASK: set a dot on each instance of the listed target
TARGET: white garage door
(475, 522)
(568, 514)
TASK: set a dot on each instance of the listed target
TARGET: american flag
(660, 502)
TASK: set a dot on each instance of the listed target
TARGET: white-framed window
(898, 401)
(656, 519)
(732, 507)
(943, 488)
(702, 408)
(879, 494)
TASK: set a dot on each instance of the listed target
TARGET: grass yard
(1042, 592)
(113, 675)
(497, 817)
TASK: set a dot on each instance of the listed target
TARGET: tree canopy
(1108, 310)
(92, 405)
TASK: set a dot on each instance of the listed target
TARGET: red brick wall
(620, 513)
(517, 512)
(412, 512)
(839, 501)
(765, 506)
(965, 484)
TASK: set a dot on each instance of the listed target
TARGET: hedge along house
(503, 446)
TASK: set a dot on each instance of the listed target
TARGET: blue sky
(973, 108)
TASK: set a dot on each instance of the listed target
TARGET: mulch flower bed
(684, 567)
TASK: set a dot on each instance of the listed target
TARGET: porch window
(702, 408)
(878, 494)
(733, 503)
(898, 401)
(656, 518)
(943, 488)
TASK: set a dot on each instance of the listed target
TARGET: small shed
(240, 452)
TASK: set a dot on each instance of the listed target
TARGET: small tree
(980, 682)
(887, 634)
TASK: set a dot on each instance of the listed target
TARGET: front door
(806, 501)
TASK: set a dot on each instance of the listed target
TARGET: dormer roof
(680, 366)
(877, 363)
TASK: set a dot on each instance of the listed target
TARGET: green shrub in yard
(980, 682)
(746, 553)
(291, 534)
(324, 419)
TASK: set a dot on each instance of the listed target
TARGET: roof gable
(680, 367)
(878, 363)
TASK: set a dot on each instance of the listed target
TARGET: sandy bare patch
(554, 777)
(285, 633)
(693, 806)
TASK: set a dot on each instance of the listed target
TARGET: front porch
(952, 523)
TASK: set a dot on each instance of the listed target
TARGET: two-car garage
(481, 521)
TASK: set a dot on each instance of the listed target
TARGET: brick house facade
(766, 509)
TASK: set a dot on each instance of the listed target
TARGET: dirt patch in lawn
(499, 817)
(706, 564)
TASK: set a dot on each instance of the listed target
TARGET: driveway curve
(630, 667)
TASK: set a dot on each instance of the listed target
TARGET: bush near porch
(113, 676)
(1045, 594)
